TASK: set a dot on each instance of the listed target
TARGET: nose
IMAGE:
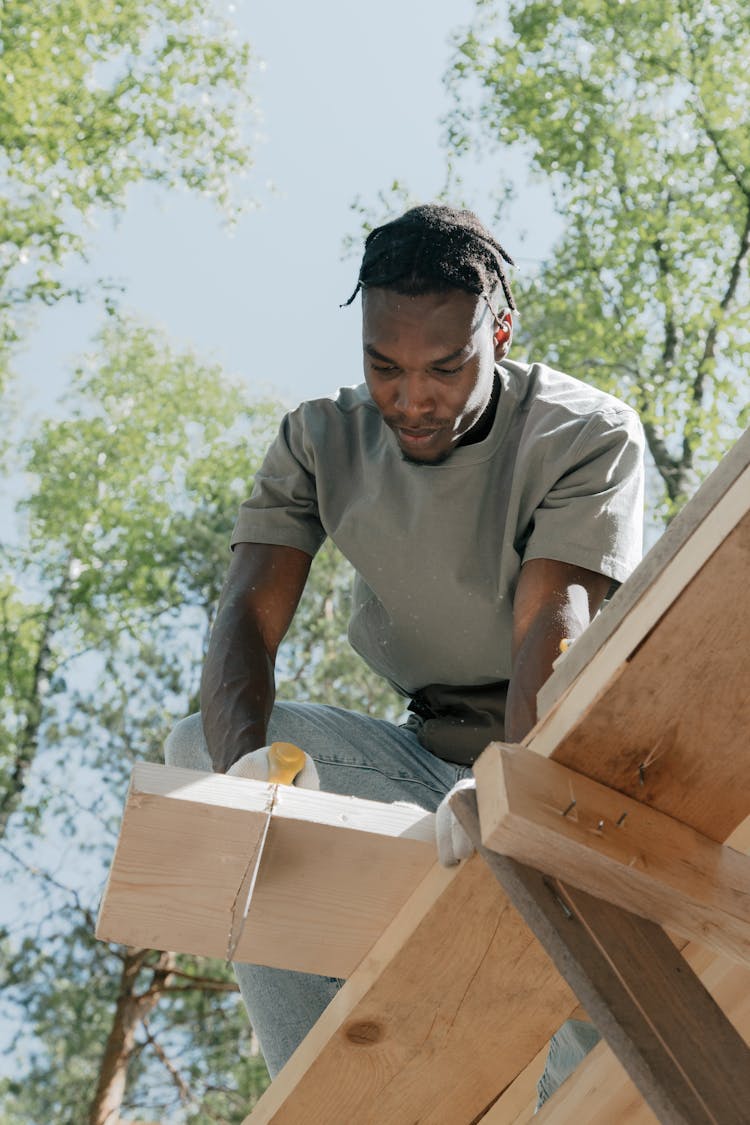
(414, 395)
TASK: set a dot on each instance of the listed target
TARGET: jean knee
(185, 745)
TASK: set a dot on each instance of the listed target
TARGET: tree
(118, 484)
(95, 98)
(106, 611)
(635, 113)
(109, 1028)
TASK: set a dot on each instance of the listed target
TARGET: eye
(383, 369)
(448, 370)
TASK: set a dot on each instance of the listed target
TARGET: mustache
(397, 422)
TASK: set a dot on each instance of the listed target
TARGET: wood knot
(364, 1033)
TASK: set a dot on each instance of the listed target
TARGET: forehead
(436, 320)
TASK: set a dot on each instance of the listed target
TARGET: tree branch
(709, 350)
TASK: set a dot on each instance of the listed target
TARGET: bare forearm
(237, 688)
(532, 666)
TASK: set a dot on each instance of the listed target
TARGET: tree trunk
(130, 1010)
(28, 739)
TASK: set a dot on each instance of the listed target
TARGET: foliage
(95, 97)
(192, 1048)
(636, 115)
(106, 609)
(116, 487)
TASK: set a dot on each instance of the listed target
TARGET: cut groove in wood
(334, 870)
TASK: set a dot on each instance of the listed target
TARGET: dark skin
(429, 365)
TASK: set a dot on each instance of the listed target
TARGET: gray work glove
(453, 844)
(255, 766)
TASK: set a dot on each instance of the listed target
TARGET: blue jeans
(355, 755)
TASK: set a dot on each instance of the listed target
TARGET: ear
(503, 334)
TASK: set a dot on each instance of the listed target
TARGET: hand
(256, 767)
(453, 843)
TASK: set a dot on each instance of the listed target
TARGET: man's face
(429, 366)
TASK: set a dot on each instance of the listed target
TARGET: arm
(553, 601)
(260, 595)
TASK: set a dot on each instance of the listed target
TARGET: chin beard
(439, 460)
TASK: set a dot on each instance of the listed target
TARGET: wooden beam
(665, 719)
(451, 1003)
(687, 1060)
(722, 500)
(549, 817)
(662, 711)
(517, 1103)
(334, 871)
(600, 1091)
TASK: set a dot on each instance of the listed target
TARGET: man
(487, 508)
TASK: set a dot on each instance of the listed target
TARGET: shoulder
(561, 409)
(349, 407)
(547, 389)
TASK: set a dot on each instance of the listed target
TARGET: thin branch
(207, 986)
(200, 981)
(45, 876)
(709, 349)
(187, 1097)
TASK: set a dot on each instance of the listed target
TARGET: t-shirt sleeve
(593, 515)
(283, 506)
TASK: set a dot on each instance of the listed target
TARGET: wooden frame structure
(612, 820)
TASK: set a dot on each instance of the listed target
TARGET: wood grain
(683, 1054)
(555, 820)
(451, 1003)
(334, 872)
(670, 728)
(600, 1092)
(676, 557)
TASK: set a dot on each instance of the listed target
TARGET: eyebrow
(371, 351)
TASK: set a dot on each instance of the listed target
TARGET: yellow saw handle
(285, 761)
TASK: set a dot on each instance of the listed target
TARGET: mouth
(416, 437)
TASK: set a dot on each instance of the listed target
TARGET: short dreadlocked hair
(432, 248)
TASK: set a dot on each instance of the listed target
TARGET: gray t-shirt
(437, 549)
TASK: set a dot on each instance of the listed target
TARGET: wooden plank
(669, 726)
(687, 1060)
(677, 556)
(451, 1003)
(517, 1104)
(600, 1092)
(549, 817)
(334, 872)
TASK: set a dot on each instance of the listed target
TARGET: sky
(349, 99)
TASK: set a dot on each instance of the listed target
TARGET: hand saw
(285, 761)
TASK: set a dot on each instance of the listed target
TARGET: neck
(483, 424)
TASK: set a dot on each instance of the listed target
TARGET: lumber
(687, 1060)
(549, 817)
(333, 873)
(517, 1103)
(600, 1091)
(662, 711)
(687, 543)
(450, 1004)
